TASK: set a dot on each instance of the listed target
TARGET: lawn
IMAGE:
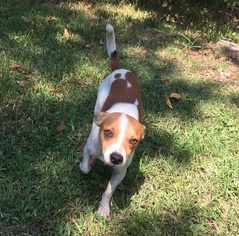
(184, 179)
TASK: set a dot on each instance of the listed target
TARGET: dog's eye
(133, 141)
(108, 133)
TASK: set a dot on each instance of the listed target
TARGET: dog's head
(119, 136)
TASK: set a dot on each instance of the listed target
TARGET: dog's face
(119, 136)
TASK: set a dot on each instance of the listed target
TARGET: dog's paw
(104, 211)
(84, 169)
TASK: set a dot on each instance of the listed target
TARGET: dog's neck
(127, 108)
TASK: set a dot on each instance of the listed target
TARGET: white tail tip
(110, 39)
(109, 28)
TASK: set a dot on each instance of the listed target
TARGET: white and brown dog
(117, 127)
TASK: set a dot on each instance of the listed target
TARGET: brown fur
(114, 61)
(120, 93)
(109, 121)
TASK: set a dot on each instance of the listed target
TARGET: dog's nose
(116, 158)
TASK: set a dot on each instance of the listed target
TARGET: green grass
(184, 178)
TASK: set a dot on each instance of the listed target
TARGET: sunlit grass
(184, 179)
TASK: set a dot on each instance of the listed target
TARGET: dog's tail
(111, 48)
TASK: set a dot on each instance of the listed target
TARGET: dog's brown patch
(120, 92)
(117, 76)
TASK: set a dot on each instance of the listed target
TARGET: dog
(117, 127)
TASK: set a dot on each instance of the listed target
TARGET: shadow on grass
(186, 221)
(39, 178)
(33, 35)
(41, 184)
(209, 19)
(235, 99)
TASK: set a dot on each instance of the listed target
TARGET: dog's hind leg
(116, 178)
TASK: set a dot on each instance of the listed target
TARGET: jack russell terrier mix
(117, 127)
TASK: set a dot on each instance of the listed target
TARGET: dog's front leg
(116, 178)
(85, 164)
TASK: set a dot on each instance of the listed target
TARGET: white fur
(110, 39)
(129, 85)
(92, 147)
(127, 108)
(117, 145)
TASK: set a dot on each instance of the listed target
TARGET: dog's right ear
(101, 116)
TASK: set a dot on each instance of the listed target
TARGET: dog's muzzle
(116, 158)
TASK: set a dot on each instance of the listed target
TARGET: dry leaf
(35, 87)
(61, 127)
(143, 53)
(87, 45)
(21, 83)
(58, 89)
(233, 75)
(24, 18)
(29, 76)
(89, 7)
(175, 95)
(51, 18)
(15, 66)
(66, 34)
(44, 227)
(168, 103)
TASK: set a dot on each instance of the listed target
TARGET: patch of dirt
(226, 48)
(218, 63)
(219, 60)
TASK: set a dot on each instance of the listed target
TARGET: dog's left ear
(101, 116)
(143, 127)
